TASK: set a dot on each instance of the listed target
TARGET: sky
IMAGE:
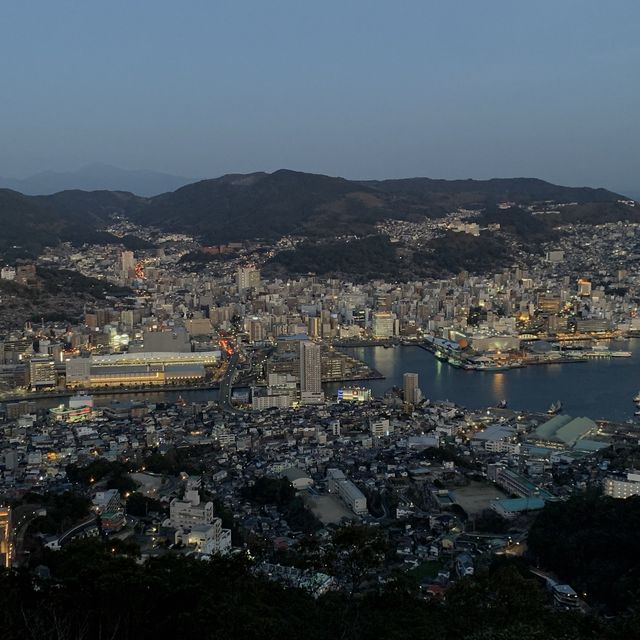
(357, 88)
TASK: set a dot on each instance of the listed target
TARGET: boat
(502, 404)
(492, 367)
(636, 398)
(555, 408)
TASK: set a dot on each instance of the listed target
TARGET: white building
(190, 511)
(209, 538)
(380, 428)
(247, 278)
(348, 492)
(621, 487)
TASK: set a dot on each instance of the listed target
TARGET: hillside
(30, 222)
(261, 205)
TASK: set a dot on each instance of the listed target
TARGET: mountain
(95, 177)
(521, 190)
(263, 205)
(30, 222)
(241, 207)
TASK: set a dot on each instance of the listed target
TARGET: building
(410, 390)
(271, 401)
(383, 325)
(298, 478)
(208, 539)
(584, 288)
(127, 264)
(510, 508)
(380, 428)
(247, 278)
(622, 486)
(107, 501)
(310, 367)
(190, 511)
(42, 373)
(6, 546)
(127, 369)
(354, 394)
(497, 438)
(80, 408)
(515, 483)
(348, 492)
(174, 341)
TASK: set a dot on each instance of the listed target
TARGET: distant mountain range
(97, 177)
(269, 205)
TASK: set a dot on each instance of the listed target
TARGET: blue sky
(450, 89)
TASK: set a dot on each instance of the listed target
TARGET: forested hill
(269, 205)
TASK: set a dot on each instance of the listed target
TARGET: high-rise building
(383, 325)
(310, 367)
(42, 373)
(247, 278)
(410, 388)
(127, 264)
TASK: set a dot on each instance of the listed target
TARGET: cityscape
(279, 403)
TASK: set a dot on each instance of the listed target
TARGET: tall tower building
(128, 264)
(247, 278)
(310, 367)
(410, 389)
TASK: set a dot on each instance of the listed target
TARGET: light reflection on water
(602, 388)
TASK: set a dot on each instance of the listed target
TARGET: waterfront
(600, 388)
(597, 388)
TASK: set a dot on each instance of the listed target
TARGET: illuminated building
(354, 394)
(42, 373)
(80, 408)
(383, 325)
(6, 547)
(157, 368)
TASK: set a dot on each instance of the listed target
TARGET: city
(320, 321)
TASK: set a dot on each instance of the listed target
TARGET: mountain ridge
(97, 177)
(260, 205)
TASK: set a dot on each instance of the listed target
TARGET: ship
(555, 408)
(493, 366)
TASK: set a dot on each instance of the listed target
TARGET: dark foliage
(99, 591)
(592, 542)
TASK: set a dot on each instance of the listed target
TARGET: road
(226, 385)
(23, 516)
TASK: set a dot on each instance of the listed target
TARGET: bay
(602, 388)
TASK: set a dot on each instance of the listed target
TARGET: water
(197, 395)
(596, 389)
(602, 388)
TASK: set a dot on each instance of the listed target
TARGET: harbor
(600, 388)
